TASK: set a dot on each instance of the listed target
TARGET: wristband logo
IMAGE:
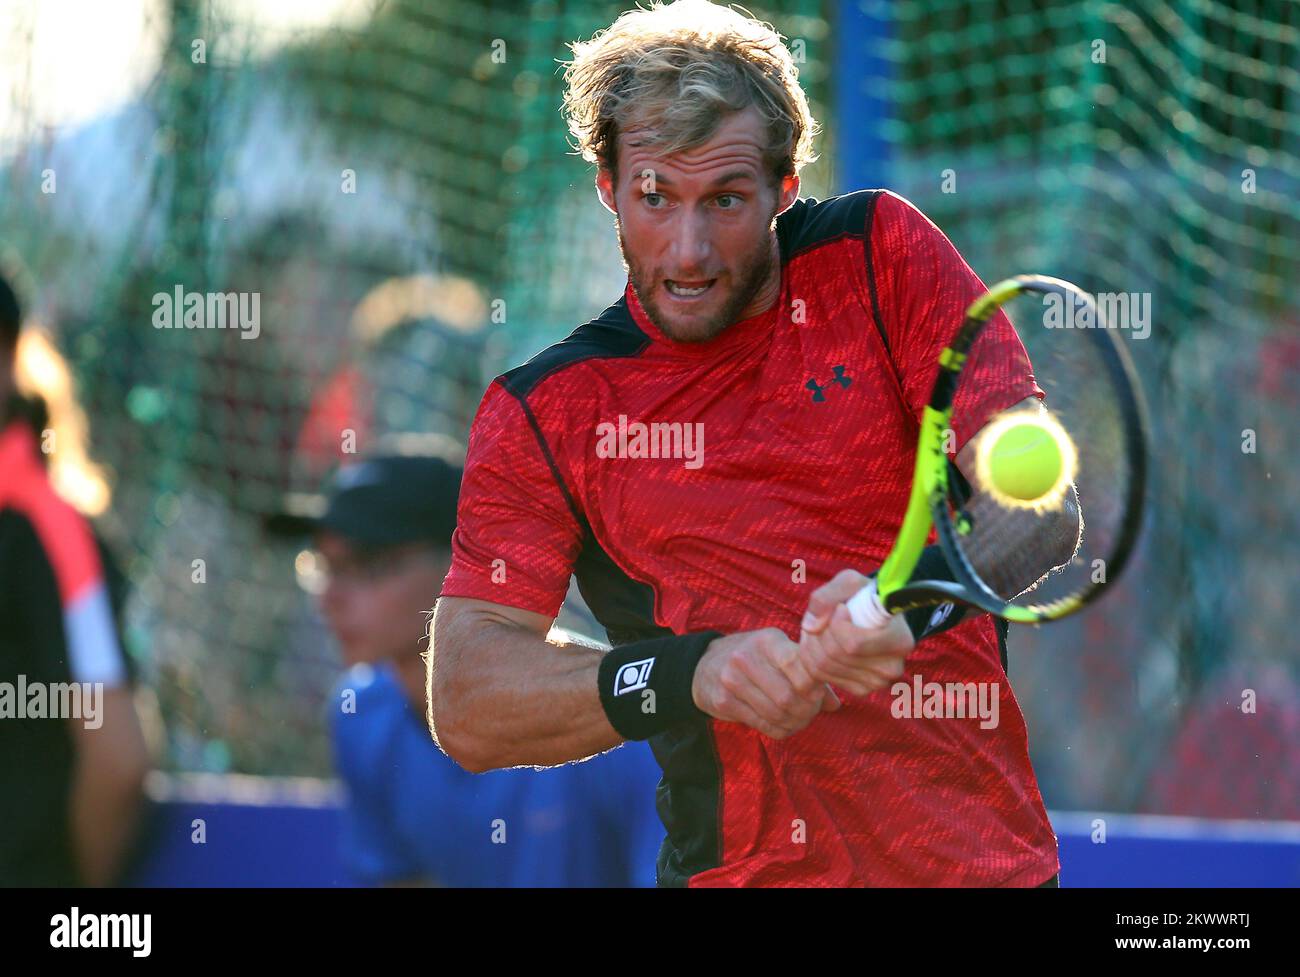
(633, 676)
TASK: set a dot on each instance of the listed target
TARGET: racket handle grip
(866, 610)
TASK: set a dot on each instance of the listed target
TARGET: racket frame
(927, 507)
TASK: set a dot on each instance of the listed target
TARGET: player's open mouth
(688, 290)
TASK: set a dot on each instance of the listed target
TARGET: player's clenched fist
(758, 678)
(836, 651)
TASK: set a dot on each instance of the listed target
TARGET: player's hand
(834, 650)
(758, 678)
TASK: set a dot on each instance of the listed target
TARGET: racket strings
(1036, 557)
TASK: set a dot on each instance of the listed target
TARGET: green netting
(1150, 148)
(472, 239)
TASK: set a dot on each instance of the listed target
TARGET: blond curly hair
(677, 71)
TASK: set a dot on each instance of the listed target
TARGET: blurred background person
(403, 330)
(71, 785)
(382, 541)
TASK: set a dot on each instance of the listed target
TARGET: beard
(751, 274)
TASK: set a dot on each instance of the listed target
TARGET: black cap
(381, 501)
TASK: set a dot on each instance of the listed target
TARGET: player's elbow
(452, 725)
(476, 688)
(455, 718)
(463, 747)
(457, 734)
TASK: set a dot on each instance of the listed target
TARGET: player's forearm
(107, 789)
(105, 813)
(502, 696)
(1022, 546)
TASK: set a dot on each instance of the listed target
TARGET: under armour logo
(819, 392)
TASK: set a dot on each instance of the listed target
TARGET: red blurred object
(341, 404)
(1228, 763)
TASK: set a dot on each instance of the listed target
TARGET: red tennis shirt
(714, 486)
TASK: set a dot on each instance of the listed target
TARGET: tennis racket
(1091, 390)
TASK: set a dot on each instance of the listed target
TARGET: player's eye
(653, 200)
(728, 201)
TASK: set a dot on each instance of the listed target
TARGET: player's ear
(605, 190)
(789, 192)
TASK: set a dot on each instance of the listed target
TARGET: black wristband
(645, 686)
(932, 618)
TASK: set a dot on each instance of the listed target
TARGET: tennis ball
(1025, 461)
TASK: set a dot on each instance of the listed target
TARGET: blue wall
(1177, 852)
(245, 845)
(285, 844)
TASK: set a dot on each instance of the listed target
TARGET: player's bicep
(469, 615)
(471, 612)
(925, 287)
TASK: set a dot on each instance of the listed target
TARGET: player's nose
(691, 245)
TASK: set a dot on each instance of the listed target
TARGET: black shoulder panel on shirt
(813, 223)
(612, 334)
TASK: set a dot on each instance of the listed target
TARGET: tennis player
(718, 456)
